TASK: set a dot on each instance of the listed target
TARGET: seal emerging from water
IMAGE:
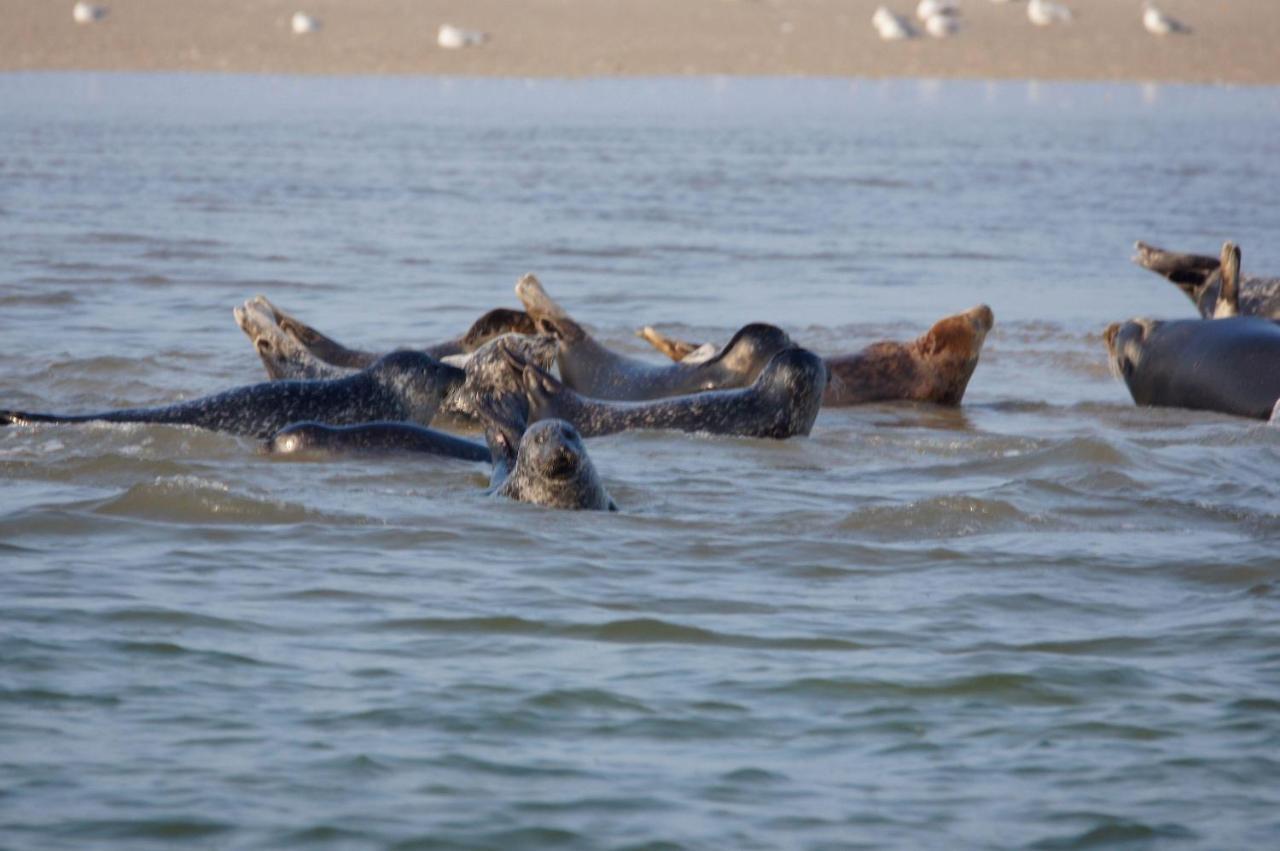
(782, 402)
(935, 367)
(1202, 279)
(401, 386)
(1227, 365)
(589, 368)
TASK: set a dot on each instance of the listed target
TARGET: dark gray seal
(485, 368)
(545, 463)
(1201, 278)
(1227, 365)
(589, 368)
(309, 438)
(403, 386)
(782, 402)
(935, 367)
(493, 324)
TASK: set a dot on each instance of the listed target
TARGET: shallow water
(1045, 620)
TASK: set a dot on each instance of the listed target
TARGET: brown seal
(935, 367)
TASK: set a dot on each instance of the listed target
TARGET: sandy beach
(1229, 42)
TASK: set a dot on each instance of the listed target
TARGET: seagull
(890, 26)
(1043, 13)
(928, 8)
(303, 23)
(454, 38)
(942, 25)
(87, 13)
(1158, 23)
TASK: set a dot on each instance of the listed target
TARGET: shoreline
(586, 39)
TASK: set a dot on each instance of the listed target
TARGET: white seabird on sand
(1043, 13)
(890, 26)
(928, 8)
(942, 25)
(87, 13)
(1158, 23)
(454, 38)
(302, 23)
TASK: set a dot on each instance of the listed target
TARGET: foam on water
(1046, 619)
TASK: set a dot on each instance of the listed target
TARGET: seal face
(936, 367)
(782, 402)
(402, 386)
(1201, 278)
(589, 368)
(552, 468)
(1227, 365)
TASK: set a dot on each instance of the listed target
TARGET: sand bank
(1231, 42)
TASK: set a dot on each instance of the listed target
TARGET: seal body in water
(935, 367)
(589, 368)
(401, 386)
(782, 402)
(1227, 365)
(493, 324)
(373, 438)
(1201, 277)
(485, 369)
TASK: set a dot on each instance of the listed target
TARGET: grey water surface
(1048, 619)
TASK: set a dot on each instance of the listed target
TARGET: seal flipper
(675, 349)
(326, 349)
(1229, 293)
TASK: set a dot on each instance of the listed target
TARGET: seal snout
(982, 317)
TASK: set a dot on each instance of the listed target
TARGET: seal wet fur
(379, 438)
(935, 367)
(591, 369)
(1227, 365)
(401, 386)
(544, 464)
(1200, 278)
(492, 324)
(782, 402)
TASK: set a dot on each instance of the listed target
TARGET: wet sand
(1230, 42)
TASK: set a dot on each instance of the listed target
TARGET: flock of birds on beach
(941, 18)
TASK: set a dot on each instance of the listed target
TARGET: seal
(544, 464)
(1201, 278)
(589, 368)
(485, 368)
(307, 438)
(493, 324)
(935, 367)
(782, 402)
(1227, 365)
(401, 386)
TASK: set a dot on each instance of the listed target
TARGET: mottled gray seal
(485, 368)
(782, 402)
(935, 367)
(545, 463)
(1228, 365)
(589, 368)
(1201, 278)
(404, 386)
(493, 324)
(375, 438)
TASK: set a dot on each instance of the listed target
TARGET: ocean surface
(1047, 619)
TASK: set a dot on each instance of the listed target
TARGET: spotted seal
(404, 386)
(782, 402)
(493, 324)
(543, 464)
(485, 369)
(1201, 278)
(935, 367)
(1227, 365)
(589, 368)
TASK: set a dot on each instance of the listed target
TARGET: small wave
(941, 517)
(191, 499)
(1113, 832)
(1012, 689)
(165, 829)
